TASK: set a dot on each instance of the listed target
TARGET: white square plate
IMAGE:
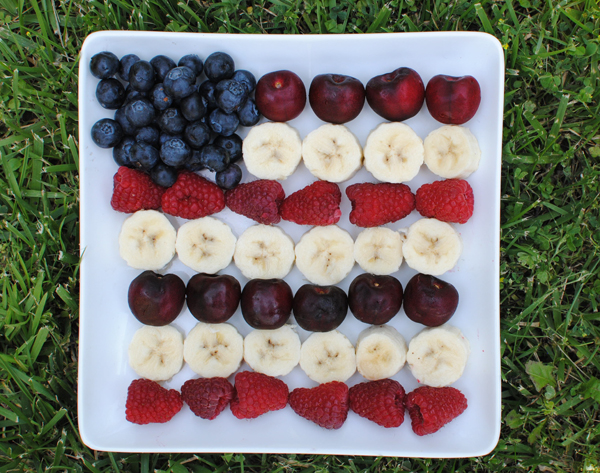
(107, 325)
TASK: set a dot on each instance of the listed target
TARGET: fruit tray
(107, 325)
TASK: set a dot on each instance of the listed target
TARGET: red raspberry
(148, 402)
(449, 201)
(432, 408)
(256, 394)
(378, 204)
(192, 197)
(207, 397)
(326, 405)
(381, 401)
(258, 200)
(134, 190)
(316, 204)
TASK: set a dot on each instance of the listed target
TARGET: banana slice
(206, 245)
(452, 152)
(437, 355)
(272, 352)
(325, 255)
(156, 353)
(332, 153)
(378, 250)
(328, 356)
(264, 252)
(380, 352)
(393, 152)
(272, 150)
(147, 240)
(432, 247)
(213, 349)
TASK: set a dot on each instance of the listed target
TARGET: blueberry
(141, 76)
(140, 112)
(107, 133)
(229, 177)
(110, 93)
(246, 78)
(159, 98)
(197, 134)
(132, 94)
(192, 61)
(194, 163)
(223, 123)
(125, 65)
(172, 121)
(214, 158)
(232, 144)
(104, 65)
(180, 82)
(150, 134)
(126, 125)
(163, 175)
(193, 107)
(248, 113)
(122, 152)
(164, 137)
(143, 155)
(219, 66)
(230, 95)
(162, 65)
(207, 90)
(175, 152)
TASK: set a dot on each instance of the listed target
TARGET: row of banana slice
(393, 152)
(324, 255)
(436, 356)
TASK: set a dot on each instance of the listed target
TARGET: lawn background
(550, 258)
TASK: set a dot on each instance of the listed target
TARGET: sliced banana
(328, 356)
(378, 250)
(272, 150)
(332, 153)
(437, 356)
(432, 247)
(147, 240)
(393, 152)
(156, 353)
(452, 152)
(325, 255)
(264, 252)
(213, 349)
(206, 245)
(380, 352)
(272, 352)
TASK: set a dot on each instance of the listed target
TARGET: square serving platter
(107, 325)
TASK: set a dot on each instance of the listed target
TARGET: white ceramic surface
(106, 324)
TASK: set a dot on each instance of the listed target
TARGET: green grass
(550, 255)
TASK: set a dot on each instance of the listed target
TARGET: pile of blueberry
(167, 119)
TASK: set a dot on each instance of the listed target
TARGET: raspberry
(316, 204)
(148, 402)
(378, 204)
(258, 200)
(381, 401)
(134, 190)
(256, 394)
(432, 408)
(449, 201)
(207, 397)
(192, 197)
(325, 405)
